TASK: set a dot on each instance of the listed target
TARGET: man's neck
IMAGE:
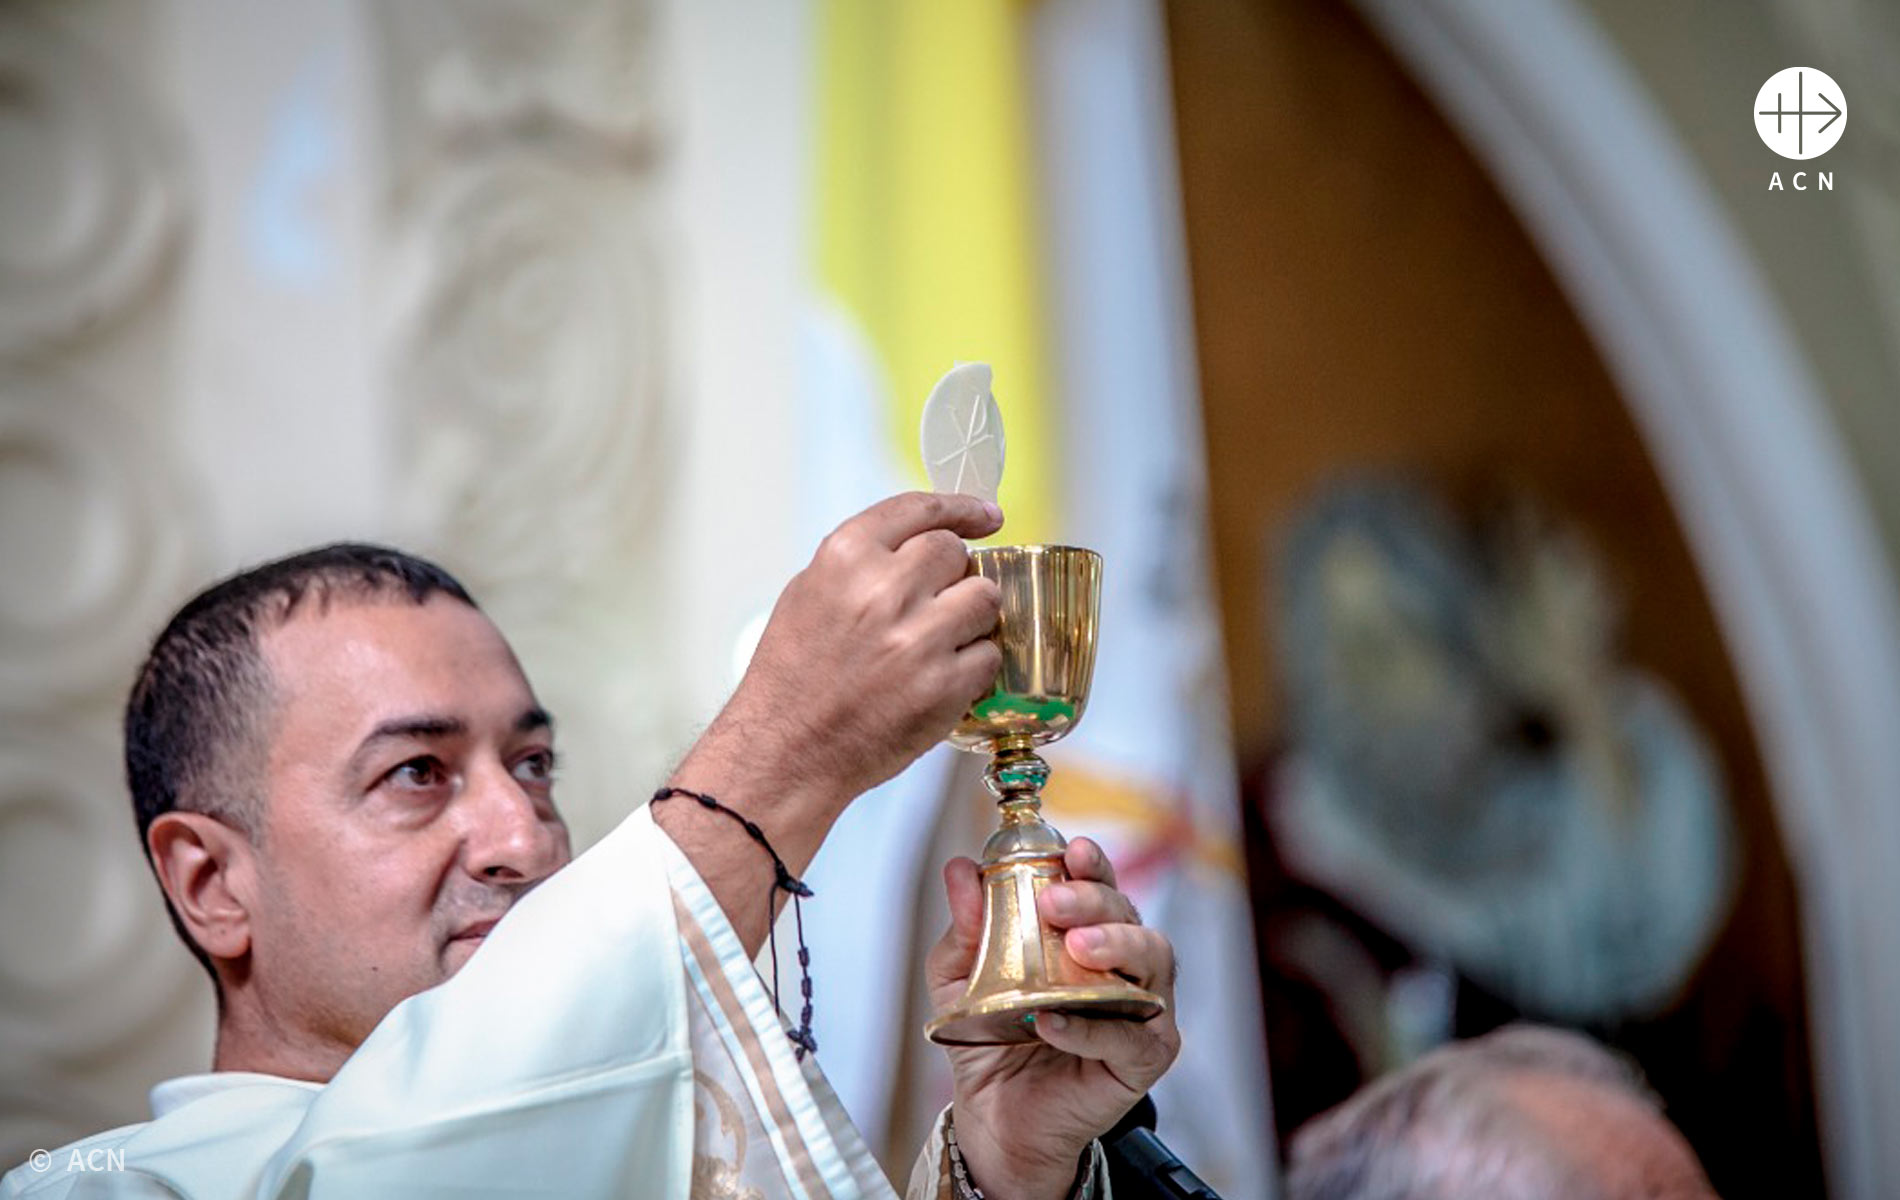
(249, 1042)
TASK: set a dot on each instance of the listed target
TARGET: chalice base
(1009, 1019)
(1022, 968)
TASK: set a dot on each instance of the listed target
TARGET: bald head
(1522, 1114)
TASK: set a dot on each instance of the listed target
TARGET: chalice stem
(1015, 776)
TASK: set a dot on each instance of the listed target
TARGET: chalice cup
(1051, 596)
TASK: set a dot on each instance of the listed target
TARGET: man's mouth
(477, 931)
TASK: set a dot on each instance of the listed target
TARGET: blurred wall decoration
(520, 157)
(99, 527)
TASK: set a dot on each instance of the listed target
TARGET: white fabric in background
(1157, 728)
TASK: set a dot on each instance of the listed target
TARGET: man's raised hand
(872, 653)
(879, 645)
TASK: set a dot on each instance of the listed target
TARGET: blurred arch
(1767, 497)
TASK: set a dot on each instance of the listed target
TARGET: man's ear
(204, 866)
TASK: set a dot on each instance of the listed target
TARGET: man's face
(407, 805)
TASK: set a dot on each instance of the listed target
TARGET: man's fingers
(1081, 902)
(1136, 1053)
(936, 558)
(976, 667)
(895, 521)
(966, 611)
(1086, 860)
(1131, 951)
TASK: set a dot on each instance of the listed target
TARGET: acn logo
(1800, 112)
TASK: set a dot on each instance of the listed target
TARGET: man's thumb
(955, 953)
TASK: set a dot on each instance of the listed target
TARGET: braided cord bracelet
(782, 881)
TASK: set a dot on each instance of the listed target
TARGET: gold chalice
(1051, 595)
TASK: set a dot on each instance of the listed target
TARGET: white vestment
(610, 1038)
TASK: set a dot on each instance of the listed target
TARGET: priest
(344, 784)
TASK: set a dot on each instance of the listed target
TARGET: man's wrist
(742, 765)
(994, 1172)
(755, 756)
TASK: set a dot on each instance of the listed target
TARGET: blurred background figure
(1525, 1113)
(1471, 765)
(1499, 485)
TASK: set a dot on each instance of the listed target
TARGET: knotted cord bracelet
(782, 881)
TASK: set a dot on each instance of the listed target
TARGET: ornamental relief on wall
(526, 364)
(96, 531)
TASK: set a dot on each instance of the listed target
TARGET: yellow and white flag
(925, 254)
(996, 181)
(1150, 770)
(927, 248)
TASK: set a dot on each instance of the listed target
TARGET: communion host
(344, 785)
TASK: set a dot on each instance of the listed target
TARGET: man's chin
(459, 950)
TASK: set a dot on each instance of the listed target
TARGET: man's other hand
(1025, 1113)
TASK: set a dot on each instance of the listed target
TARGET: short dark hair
(195, 722)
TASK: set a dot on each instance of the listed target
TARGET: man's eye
(419, 773)
(536, 768)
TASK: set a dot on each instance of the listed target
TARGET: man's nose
(514, 836)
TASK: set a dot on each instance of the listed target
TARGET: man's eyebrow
(432, 727)
(423, 727)
(533, 719)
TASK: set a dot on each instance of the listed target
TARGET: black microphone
(1140, 1165)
